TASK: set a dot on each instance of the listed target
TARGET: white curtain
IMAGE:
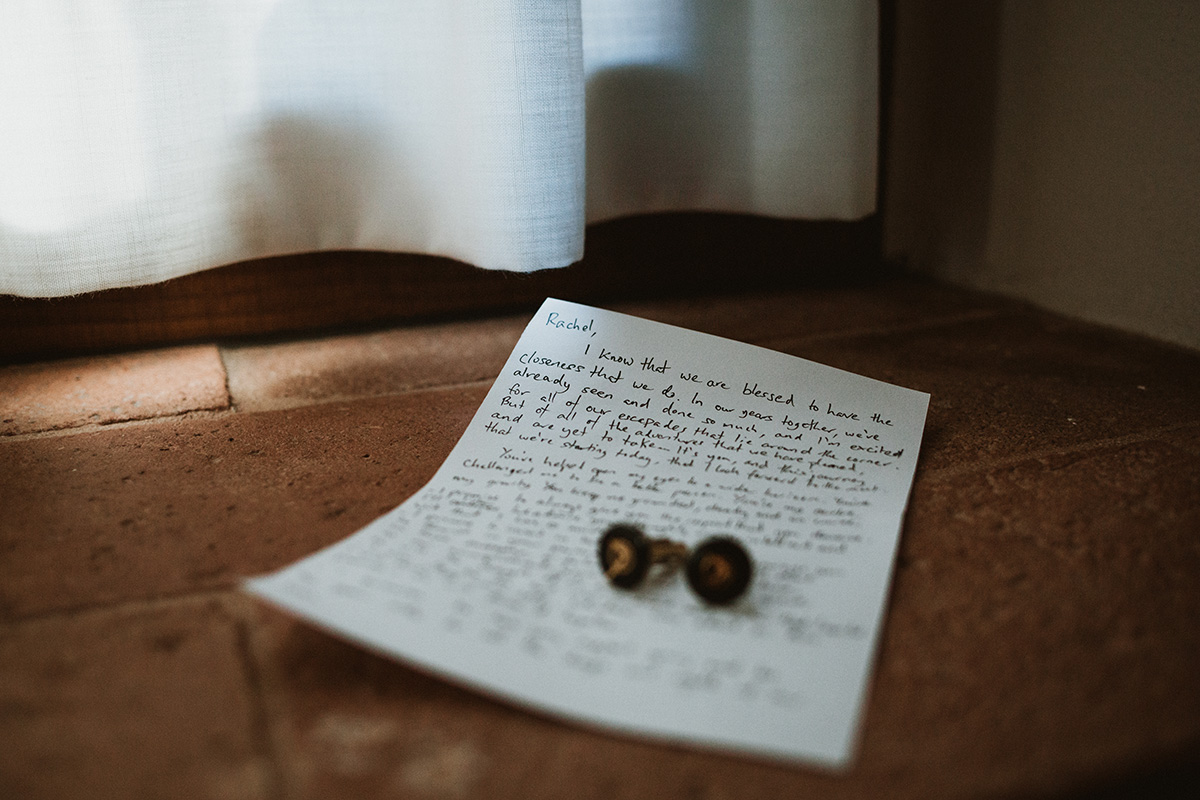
(145, 139)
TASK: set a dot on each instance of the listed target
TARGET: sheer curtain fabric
(145, 139)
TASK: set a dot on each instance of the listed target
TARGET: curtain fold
(145, 139)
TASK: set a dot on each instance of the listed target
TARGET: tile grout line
(97, 427)
(236, 603)
(935, 475)
(129, 604)
(1154, 434)
(230, 404)
(232, 410)
(334, 399)
(260, 725)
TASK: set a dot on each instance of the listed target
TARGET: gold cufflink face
(719, 570)
(626, 555)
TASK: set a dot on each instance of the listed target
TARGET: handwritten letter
(489, 574)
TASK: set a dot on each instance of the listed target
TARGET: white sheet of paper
(489, 574)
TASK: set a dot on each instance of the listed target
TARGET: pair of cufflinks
(718, 569)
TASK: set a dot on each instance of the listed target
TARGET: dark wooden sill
(635, 258)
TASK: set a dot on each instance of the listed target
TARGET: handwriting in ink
(555, 320)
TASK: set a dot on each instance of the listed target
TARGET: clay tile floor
(1042, 637)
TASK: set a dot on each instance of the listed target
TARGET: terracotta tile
(1042, 626)
(152, 702)
(102, 389)
(763, 318)
(182, 504)
(1040, 639)
(288, 374)
(354, 724)
(1016, 384)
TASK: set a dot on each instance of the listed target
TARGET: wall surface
(1051, 151)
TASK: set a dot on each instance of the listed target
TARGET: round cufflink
(719, 570)
(626, 555)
